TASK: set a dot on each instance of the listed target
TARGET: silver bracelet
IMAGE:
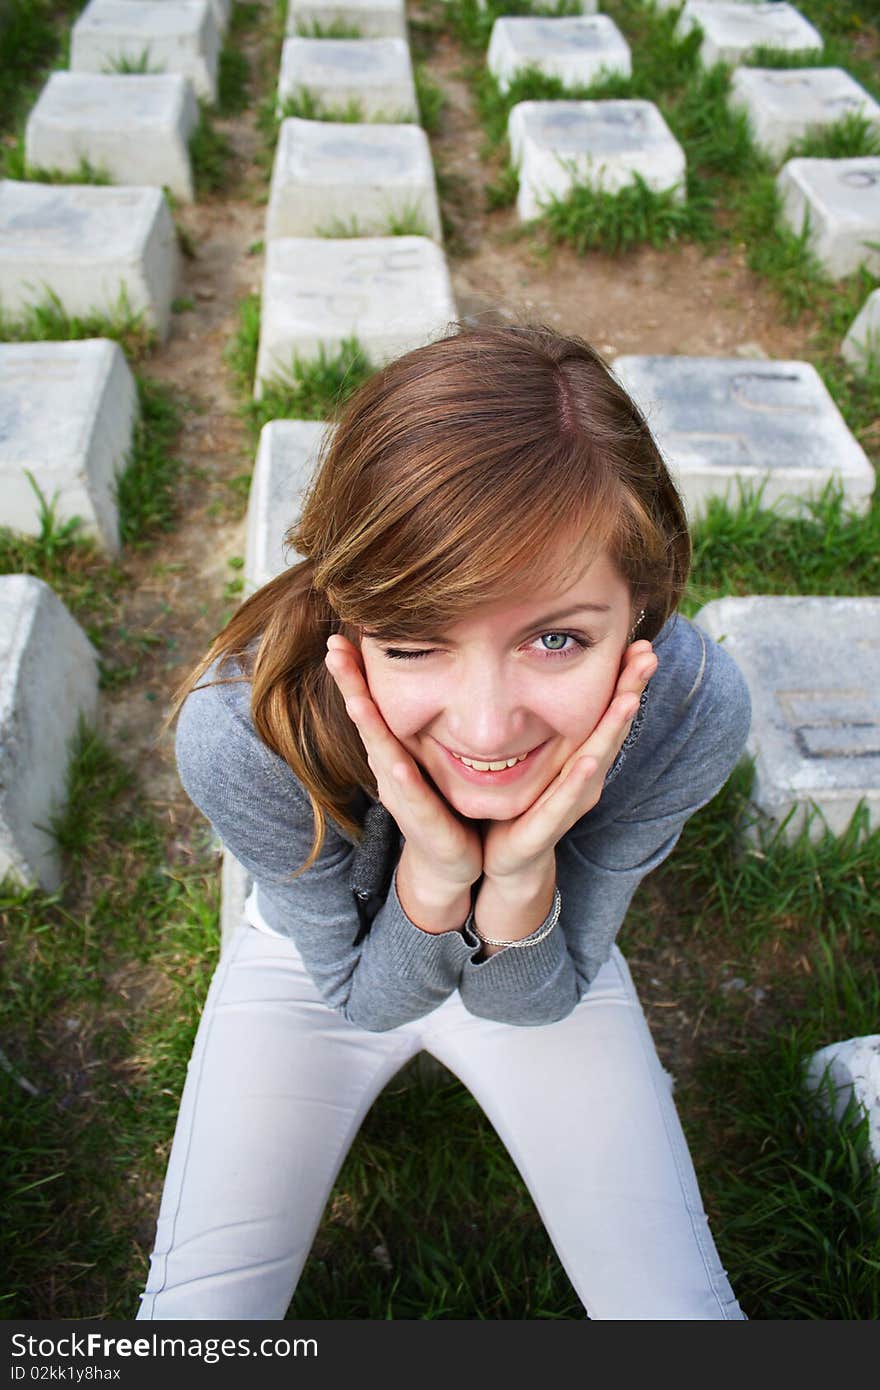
(528, 941)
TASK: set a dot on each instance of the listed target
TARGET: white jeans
(279, 1084)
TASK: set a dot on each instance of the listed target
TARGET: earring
(632, 631)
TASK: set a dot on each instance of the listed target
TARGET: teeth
(489, 767)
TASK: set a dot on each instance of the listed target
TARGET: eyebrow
(544, 624)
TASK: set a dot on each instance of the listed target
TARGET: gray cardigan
(369, 961)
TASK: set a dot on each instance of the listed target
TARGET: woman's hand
(444, 854)
(521, 847)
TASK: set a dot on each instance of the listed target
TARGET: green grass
(33, 37)
(48, 321)
(309, 390)
(744, 549)
(125, 64)
(431, 99)
(590, 219)
(852, 137)
(104, 982)
(14, 166)
(405, 221)
(335, 29)
(211, 155)
(233, 73)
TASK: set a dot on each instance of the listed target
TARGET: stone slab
(88, 245)
(286, 458)
(329, 174)
(48, 678)
(605, 143)
(375, 19)
(392, 293)
(812, 666)
(732, 31)
(67, 412)
(723, 420)
(784, 105)
(862, 342)
(377, 73)
(841, 197)
(182, 37)
(853, 1069)
(136, 128)
(221, 10)
(576, 49)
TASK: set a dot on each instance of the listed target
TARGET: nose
(486, 717)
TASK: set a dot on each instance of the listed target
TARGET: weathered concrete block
(89, 246)
(721, 421)
(112, 35)
(604, 143)
(784, 105)
(333, 174)
(375, 19)
(862, 342)
(853, 1069)
(732, 31)
(841, 198)
(286, 458)
(376, 73)
(48, 678)
(220, 9)
(392, 293)
(67, 411)
(136, 128)
(813, 670)
(576, 49)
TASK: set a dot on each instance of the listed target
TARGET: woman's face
(528, 678)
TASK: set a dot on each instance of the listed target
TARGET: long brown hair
(456, 476)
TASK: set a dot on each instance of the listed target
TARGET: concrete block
(784, 105)
(841, 198)
(605, 143)
(169, 37)
(67, 411)
(392, 293)
(89, 246)
(220, 9)
(136, 128)
(374, 19)
(576, 49)
(328, 173)
(721, 421)
(862, 342)
(48, 678)
(286, 458)
(732, 31)
(376, 73)
(853, 1069)
(813, 670)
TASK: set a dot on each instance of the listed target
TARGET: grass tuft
(590, 219)
(745, 549)
(309, 390)
(211, 155)
(852, 137)
(49, 321)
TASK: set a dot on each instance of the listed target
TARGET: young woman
(448, 745)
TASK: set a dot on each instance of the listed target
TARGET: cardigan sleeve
(264, 817)
(699, 719)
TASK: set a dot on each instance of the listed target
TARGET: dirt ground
(673, 301)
